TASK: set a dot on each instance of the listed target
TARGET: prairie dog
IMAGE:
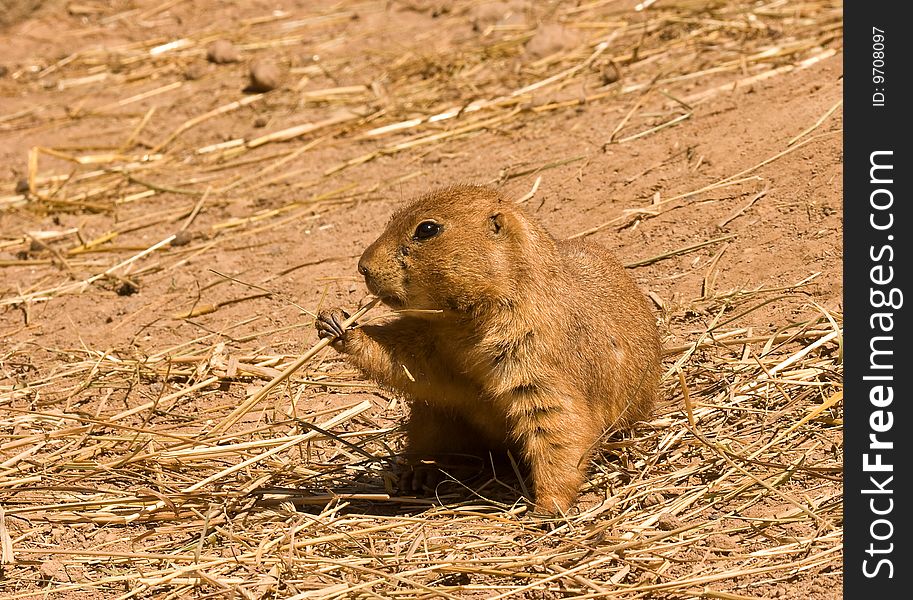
(508, 338)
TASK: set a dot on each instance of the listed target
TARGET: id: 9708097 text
(878, 70)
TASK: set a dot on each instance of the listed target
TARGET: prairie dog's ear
(497, 222)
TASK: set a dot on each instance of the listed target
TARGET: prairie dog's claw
(419, 478)
(329, 324)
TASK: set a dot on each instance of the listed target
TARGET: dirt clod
(264, 76)
(222, 52)
(668, 522)
(52, 570)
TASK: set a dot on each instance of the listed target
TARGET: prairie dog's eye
(426, 230)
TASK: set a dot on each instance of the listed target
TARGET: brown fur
(537, 345)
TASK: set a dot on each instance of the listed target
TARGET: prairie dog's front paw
(329, 324)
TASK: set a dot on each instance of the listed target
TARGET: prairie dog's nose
(367, 265)
(363, 268)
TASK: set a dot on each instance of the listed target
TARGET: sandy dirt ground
(167, 232)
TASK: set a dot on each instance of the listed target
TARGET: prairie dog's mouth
(388, 296)
(372, 286)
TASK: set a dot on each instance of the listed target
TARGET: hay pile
(109, 491)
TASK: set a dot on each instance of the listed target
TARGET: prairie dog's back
(619, 340)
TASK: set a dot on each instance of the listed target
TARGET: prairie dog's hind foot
(422, 476)
(419, 477)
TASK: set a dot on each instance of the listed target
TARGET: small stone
(222, 52)
(182, 238)
(22, 186)
(668, 522)
(264, 76)
(261, 122)
(4, 70)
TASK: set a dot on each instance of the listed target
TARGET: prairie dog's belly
(469, 401)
